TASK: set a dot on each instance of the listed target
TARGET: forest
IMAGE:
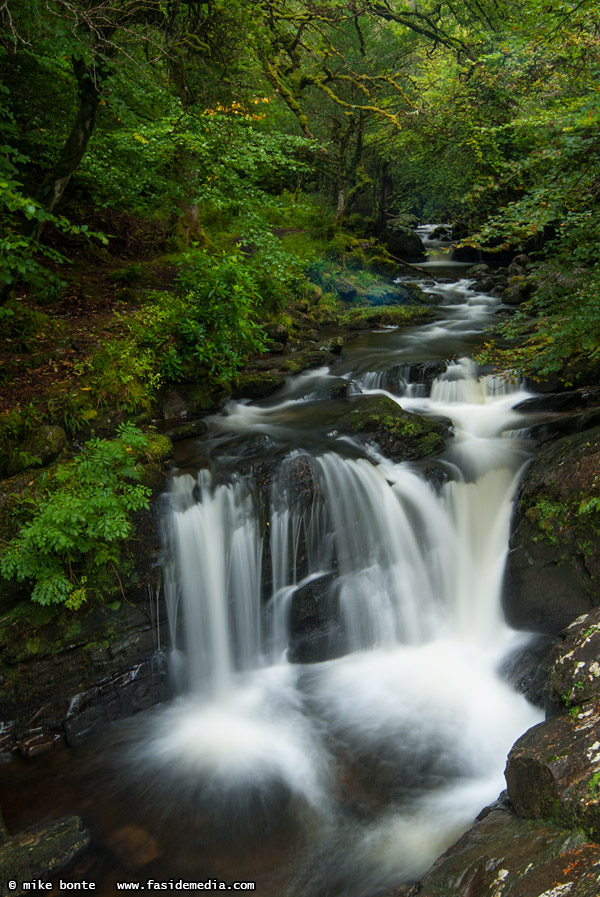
(189, 188)
(176, 175)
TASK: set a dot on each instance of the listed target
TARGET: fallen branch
(408, 265)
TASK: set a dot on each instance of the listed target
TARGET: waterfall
(402, 720)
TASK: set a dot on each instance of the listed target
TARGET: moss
(257, 385)
(401, 435)
(158, 447)
(397, 316)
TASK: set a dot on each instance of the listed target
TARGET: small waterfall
(406, 724)
(215, 580)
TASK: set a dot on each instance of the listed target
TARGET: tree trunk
(55, 182)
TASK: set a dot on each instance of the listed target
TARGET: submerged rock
(41, 850)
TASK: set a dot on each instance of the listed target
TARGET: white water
(409, 729)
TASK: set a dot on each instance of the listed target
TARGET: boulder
(575, 674)
(553, 771)
(400, 435)
(518, 290)
(345, 290)
(479, 272)
(276, 332)
(519, 266)
(403, 243)
(553, 566)
(257, 385)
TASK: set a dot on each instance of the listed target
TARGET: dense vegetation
(177, 174)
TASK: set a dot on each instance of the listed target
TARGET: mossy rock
(389, 316)
(553, 568)
(42, 850)
(382, 263)
(401, 436)
(257, 385)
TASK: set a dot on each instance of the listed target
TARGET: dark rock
(575, 674)
(504, 856)
(480, 271)
(257, 385)
(186, 429)
(192, 401)
(315, 634)
(345, 290)
(553, 771)
(404, 244)
(400, 435)
(42, 850)
(553, 567)
(519, 266)
(275, 348)
(118, 697)
(528, 668)
(276, 332)
(518, 290)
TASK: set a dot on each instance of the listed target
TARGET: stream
(288, 541)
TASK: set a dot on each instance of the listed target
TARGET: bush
(209, 323)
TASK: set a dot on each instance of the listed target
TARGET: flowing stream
(354, 771)
(337, 629)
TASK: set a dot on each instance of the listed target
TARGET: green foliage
(208, 324)
(78, 518)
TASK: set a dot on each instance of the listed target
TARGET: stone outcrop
(402, 436)
(553, 569)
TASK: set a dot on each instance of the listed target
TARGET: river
(347, 774)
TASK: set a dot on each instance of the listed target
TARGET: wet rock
(504, 856)
(192, 401)
(553, 771)
(185, 430)
(67, 663)
(575, 674)
(553, 567)
(257, 385)
(400, 435)
(528, 669)
(441, 233)
(479, 272)
(315, 634)
(41, 850)
(118, 697)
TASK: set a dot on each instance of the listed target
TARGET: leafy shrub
(208, 323)
(77, 518)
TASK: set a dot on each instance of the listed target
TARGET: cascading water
(381, 753)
